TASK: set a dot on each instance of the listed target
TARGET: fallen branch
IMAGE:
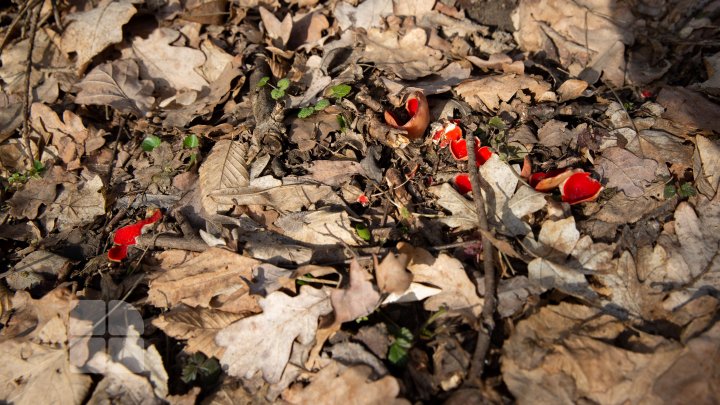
(33, 17)
(482, 346)
(269, 130)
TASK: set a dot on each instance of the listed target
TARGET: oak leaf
(116, 84)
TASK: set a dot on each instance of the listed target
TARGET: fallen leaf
(263, 342)
(392, 275)
(42, 320)
(413, 8)
(224, 168)
(199, 282)
(320, 227)
(574, 368)
(689, 108)
(556, 27)
(90, 32)
(446, 273)
(488, 92)
(68, 135)
(10, 114)
(463, 210)
(503, 181)
(571, 89)
(172, 68)
(367, 14)
(276, 29)
(712, 84)
(626, 171)
(117, 85)
(196, 325)
(357, 300)
(334, 172)
(334, 384)
(407, 56)
(76, 204)
(285, 198)
(41, 263)
(662, 147)
(524, 202)
(706, 165)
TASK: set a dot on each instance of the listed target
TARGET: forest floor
(344, 201)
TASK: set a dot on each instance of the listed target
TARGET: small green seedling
(150, 142)
(398, 351)
(496, 122)
(198, 365)
(277, 92)
(319, 106)
(340, 91)
(191, 141)
(363, 232)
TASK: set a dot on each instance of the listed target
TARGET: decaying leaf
(225, 168)
(76, 204)
(392, 275)
(357, 300)
(406, 56)
(366, 15)
(90, 32)
(263, 342)
(335, 384)
(320, 227)
(212, 279)
(196, 325)
(706, 165)
(626, 171)
(487, 93)
(42, 264)
(575, 368)
(463, 210)
(172, 68)
(117, 84)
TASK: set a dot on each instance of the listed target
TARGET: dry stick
(488, 323)
(33, 16)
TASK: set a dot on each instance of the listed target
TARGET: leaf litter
(310, 241)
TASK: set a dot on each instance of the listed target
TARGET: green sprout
(398, 351)
(277, 92)
(339, 91)
(198, 365)
(319, 106)
(150, 142)
(191, 141)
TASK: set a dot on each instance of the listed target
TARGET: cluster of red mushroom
(575, 185)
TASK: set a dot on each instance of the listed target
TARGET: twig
(15, 22)
(477, 363)
(33, 16)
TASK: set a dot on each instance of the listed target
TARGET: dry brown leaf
(276, 29)
(216, 61)
(463, 210)
(357, 300)
(90, 32)
(662, 147)
(263, 342)
(117, 84)
(689, 108)
(712, 84)
(321, 227)
(172, 68)
(487, 93)
(407, 56)
(224, 168)
(575, 368)
(447, 273)
(571, 89)
(196, 325)
(68, 135)
(214, 274)
(43, 320)
(626, 171)
(367, 14)
(76, 204)
(335, 385)
(41, 263)
(415, 8)
(29, 370)
(578, 35)
(10, 114)
(286, 198)
(706, 165)
(392, 275)
(334, 172)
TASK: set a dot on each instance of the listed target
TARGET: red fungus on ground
(417, 106)
(127, 236)
(580, 187)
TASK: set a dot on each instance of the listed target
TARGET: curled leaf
(417, 107)
(580, 187)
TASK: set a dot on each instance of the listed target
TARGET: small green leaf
(283, 84)
(497, 122)
(340, 90)
(405, 213)
(686, 190)
(363, 232)
(322, 104)
(191, 141)
(263, 81)
(150, 142)
(397, 354)
(277, 94)
(341, 121)
(669, 191)
(306, 112)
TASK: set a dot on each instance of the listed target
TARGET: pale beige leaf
(31, 372)
(416, 8)
(463, 210)
(524, 202)
(662, 147)
(487, 93)
(446, 273)
(263, 342)
(196, 325)
(502, 180)
(44, 320)
(320, 227)
(77, 204)
(706, 165)
(117, 85)
(337, 385)
(90, 32)
(215, 273)
(172, 68)
(285, 198)
(357, 300)
(571, 89)
(41, 263)
(392, 275)
(224, 168)
(569, 280)
(274, 28)
(626, 171)
(407, 56)
(368, 14)
(334, 172)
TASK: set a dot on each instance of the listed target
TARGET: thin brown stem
(27, 100)
(488, 323)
